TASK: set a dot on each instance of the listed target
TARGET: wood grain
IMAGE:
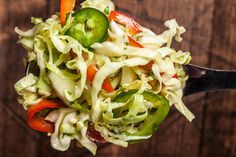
(219, 136)
(210, 37)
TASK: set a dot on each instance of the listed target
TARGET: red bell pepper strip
(134, 43)
(107, 85)
(66, 6)
(175, 76)
(132, 26)
(91, 72)
(37, 122)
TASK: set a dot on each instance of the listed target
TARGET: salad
(95, 75)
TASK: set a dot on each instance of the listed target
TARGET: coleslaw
(99, 76)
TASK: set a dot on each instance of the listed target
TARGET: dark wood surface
(211, 38)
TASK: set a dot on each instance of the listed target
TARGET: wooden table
(211, 38)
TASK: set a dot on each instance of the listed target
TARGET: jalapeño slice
(155, 116)
(89, 26)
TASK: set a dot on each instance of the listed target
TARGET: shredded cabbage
(26, 88)
(70, 125)
(101, 5)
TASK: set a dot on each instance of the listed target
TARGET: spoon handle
(203, 79)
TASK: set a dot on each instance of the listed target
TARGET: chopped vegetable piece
(107, 85)
(66, 6)
(91, 72)
(107, 10)
(175, 76)
(37, 122)
(89, 26)
(132, 26)
(134, 43)
(155, 116)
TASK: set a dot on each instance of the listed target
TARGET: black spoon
(203, 79)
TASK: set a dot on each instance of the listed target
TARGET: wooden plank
(220, 129)
(176, 137)
(16, 138)
(2, 128)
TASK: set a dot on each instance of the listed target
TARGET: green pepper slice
(89, 26)
(155, 116)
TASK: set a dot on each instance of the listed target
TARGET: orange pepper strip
(134, 43)
(91, 72)
(66, 6)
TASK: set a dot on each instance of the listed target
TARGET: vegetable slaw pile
(94, 75)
